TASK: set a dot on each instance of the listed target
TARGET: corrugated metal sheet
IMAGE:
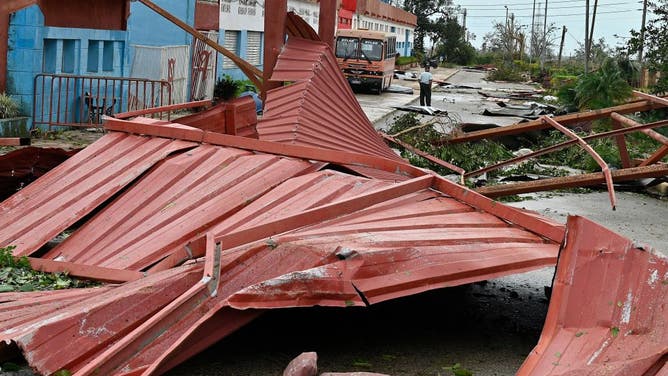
(39, 212)
(221, 223)
(608, 312)
(303, 112)
(321, 235)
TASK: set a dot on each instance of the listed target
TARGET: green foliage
(471, 156)
(452, 45)
(505, 72)
(655, 43)
(7, 259)
(429, 15)
(17, 275)
(603, 88)
(639, 146)
(564, 88)
(404, 60)
(226, 88)
(458, 370)
(484, 58)
(8, 107)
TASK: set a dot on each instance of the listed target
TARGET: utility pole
(593, 21)
(544, 49)
(642, 31)
(512, 35)
(466, 37)
(561, 46)
(533, 26)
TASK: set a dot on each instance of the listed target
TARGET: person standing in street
(425, 86)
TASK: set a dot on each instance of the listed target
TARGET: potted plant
(12, 124)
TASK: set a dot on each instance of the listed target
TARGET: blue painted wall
(35, 48)
(24, 57)
(145, 27)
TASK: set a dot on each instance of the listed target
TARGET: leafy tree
(604, 88)
(428, 13)
(451, 45)
(655, 43)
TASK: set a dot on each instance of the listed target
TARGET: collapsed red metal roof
(207, 225)
(285, 235)
(609, 309)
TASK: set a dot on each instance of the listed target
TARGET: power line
(561, 15)
(531, 8)
(496, 5)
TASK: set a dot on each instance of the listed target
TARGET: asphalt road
(488, 328)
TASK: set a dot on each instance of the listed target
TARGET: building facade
(242, 26)
(96, 40)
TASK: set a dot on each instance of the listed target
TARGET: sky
(613, 17)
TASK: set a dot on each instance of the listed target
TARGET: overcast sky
(614, 17)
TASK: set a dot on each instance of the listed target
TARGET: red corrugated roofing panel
(258, 226)
(39, 212)
(274, 220)
(608, 313)
(303, 113)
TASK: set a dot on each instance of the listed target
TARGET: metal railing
(82, 101)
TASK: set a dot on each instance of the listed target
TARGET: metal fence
(82, 101)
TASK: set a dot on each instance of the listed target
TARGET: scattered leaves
(16, 274)
(458, 370)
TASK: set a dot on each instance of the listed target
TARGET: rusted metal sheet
(20, 167)
(608, 312)
(302, 113)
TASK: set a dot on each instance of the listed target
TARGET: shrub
(226, 88)
(8, 107)
(505, 73)
(403, 60)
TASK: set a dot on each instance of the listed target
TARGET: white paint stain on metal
(626, 309)
(653, 278)
(598, 352)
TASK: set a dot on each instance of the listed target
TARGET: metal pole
(586, 37)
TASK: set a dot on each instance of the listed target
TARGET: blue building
(74, 47)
